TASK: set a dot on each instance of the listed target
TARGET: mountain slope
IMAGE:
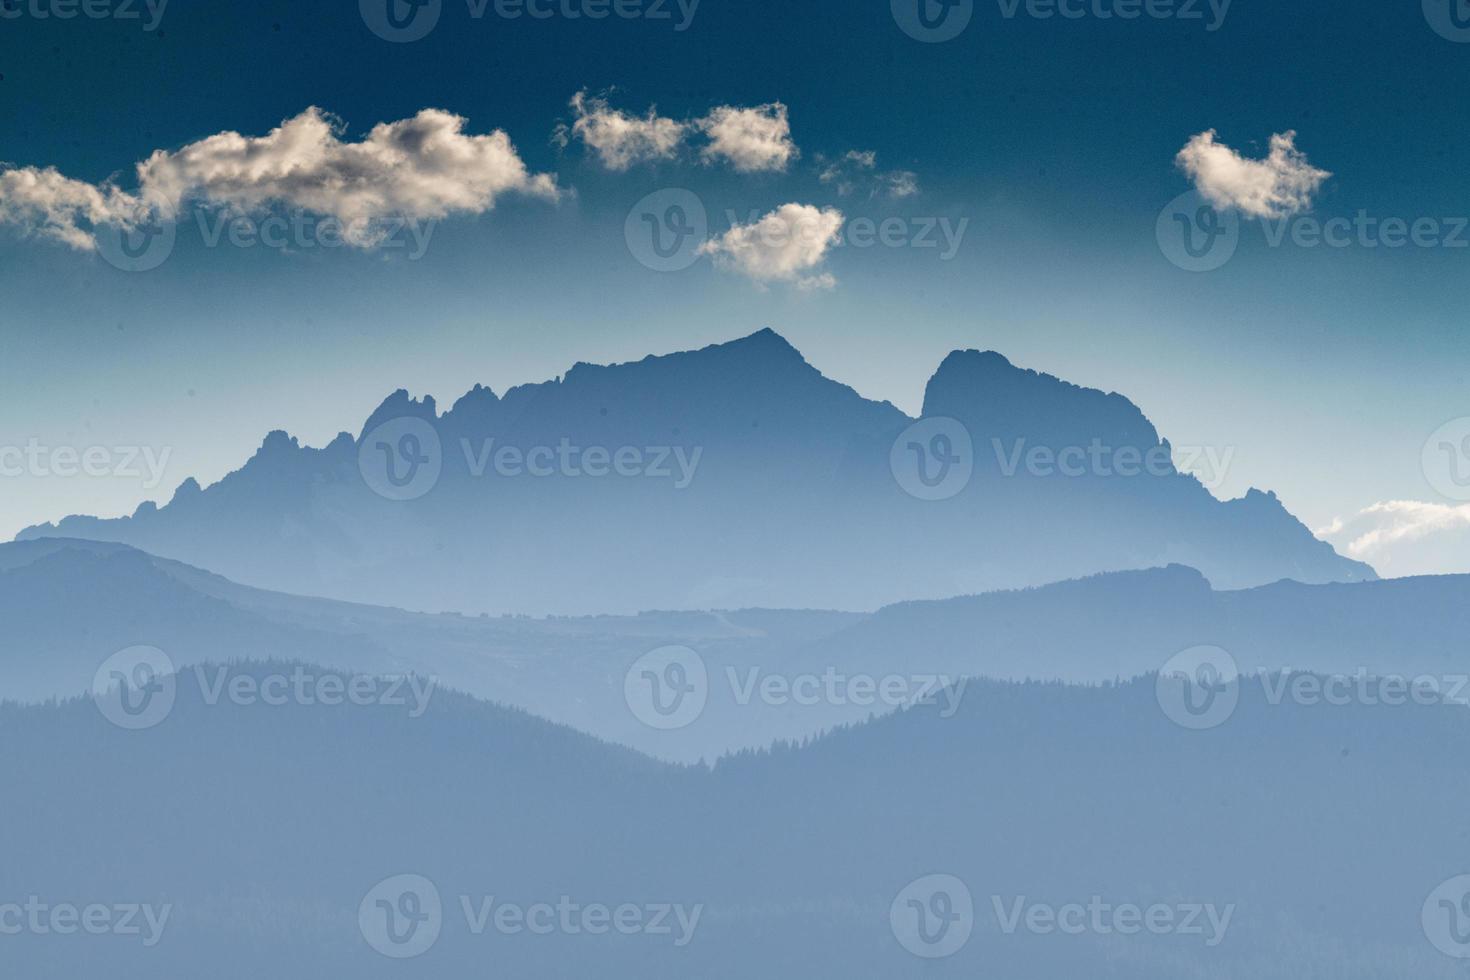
(262, 830)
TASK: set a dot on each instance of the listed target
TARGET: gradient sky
(1326, 369)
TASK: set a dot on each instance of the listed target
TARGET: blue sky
(1051, 142)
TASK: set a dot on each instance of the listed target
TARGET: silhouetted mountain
(264, 832)
(736, 475)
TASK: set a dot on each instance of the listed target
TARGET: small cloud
(902, 183)
(753, 140)
(1279, 186)
(423, 168)
(854, 169)
(621, 140)
(788, 245)
(1405, 537)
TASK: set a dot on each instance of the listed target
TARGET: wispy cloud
(748, 139)
(857, 168)
(1406, 536)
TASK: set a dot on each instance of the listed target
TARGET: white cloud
(421, 168)
(1278, 186)
(787, 245)
(55, 207)
(750, 140)
(1406, 537)
(621, 140)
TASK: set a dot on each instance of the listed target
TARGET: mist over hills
(71, 604)
(732, 476)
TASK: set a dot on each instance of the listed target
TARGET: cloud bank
(1279, 186)
(422, 168)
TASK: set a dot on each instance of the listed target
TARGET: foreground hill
(261, 832)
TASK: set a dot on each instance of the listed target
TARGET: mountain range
(733, 476)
